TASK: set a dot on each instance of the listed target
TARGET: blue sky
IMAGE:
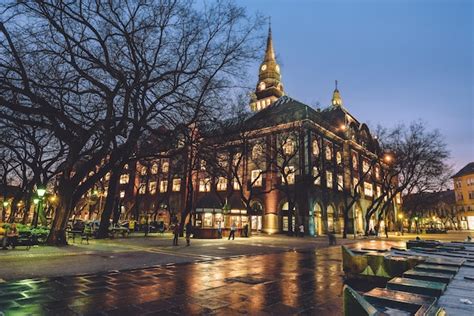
(396, 61)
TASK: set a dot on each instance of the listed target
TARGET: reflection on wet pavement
(308, 282)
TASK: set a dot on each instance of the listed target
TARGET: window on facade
(316, 176)
(340, 182)
(257, 151)
(154, 168)
(329, 179)
(235, 184)
(152, 187)
(205, 185)
(355, 184)
(126, 166)
(289, 171)
(338, 158)
(163, 186)
(316, 147)
(142, 188)
(379, 191)
(398, 198)
(328, 152)
(256, 178)
(377, 172)
(354, 161)
(222, 159)
(124, 178)
(459, 196)
(289, 147)
(143, 170)
(469, 181)
(176, 185)
(165, 166)
(203, 165)
(236, 159)
(221, 184)
(107, 176)
(365, 167)
(471, 195)
(368, 189)
(122, 194)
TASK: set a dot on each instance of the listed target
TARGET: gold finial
(336, 97)
(269, 53)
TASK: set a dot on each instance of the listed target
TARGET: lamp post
(40, 191)
(400, 217)
(4, 211)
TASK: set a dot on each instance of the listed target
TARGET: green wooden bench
(428, 276)
(417, 286)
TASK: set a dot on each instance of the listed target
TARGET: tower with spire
(336, 97)
(269, 87)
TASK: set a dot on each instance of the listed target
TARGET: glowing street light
(388, 158)
(36, 201)
(41, 192)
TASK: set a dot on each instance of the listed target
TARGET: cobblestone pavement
(293, 282)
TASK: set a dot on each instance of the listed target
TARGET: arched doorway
(341, 218)
(256, 217)
(285, 216)
(317, 219)
(359, 221)
(330, 213)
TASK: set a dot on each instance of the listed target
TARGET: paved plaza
(259, 276)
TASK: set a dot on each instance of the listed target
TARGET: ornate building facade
(464, 195)
(283, 165)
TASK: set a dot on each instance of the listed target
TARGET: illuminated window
(125, 167)
(354, 161)
(257, 151)
(236, 184)
(222, 159)
(124, 178)
(338, 157)
(289, 147)
(203, 165)
(176, 185)
(398, 198)
(142, 188)
(315, 147)
(205, 185)
(261, 86)
(207, 220)
(163, 186)
(328, 152)
(152, 187)
(377, 172)
(365, 167)
(236, 159)
(316, 176)
(143, 170)
(355, 184)
(379, 191)
(107, 176)
(122, 194)
(165, 166)
(368, 189)
(221, 184)
(340, 182)
(154, 168)
(256, 178)
(329, 179)
(289, 171)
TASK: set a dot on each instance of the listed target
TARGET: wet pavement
(293, 282)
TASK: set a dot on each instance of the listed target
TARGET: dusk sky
(395, 60)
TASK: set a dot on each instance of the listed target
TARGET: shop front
(214, 223)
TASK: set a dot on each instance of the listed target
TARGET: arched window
(354, 161)
(261, 86)
(328, 152)
(316, 147)
(338, 158)
(289, 147)
(257, 151)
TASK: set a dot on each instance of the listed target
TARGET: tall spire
(269, 53)
(336, 97)
(269, 87)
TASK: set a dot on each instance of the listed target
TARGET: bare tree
(98, 74)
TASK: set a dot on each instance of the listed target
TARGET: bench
(428, 276)
(399, 296)
(417, 286)
(437, 268)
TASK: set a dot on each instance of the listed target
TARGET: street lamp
(400, 217)
(40, 191)
(388, 158)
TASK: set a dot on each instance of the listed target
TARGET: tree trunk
(110, 204)
(57, 234)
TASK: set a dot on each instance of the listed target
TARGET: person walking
(301, 228)
(176, 234)
(233, 227)
(189, 231)
(246, 230)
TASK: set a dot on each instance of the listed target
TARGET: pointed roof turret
(336, 97)
(269, 87)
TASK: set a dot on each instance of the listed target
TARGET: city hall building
(329, 151)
